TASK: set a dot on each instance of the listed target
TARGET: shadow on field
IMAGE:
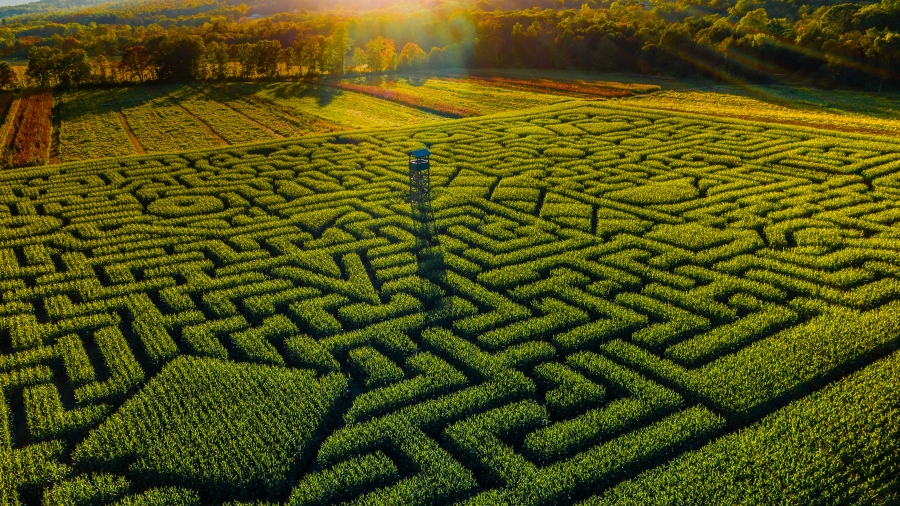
(429, 256)
(76, 104)
(416, 80)
(324, 95)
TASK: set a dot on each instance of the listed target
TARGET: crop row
(90, 127)
(29, 143)
(283, 120)
(229, 409)
(659, 279)
(408, 99)
(159, 123)
(224, 121)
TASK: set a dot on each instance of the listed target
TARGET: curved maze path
(614, 287)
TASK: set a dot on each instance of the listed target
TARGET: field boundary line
(14, 124)
(55, 125)
(8, 123)
(135, 143)
(202, 123)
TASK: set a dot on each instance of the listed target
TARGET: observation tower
(420, 194)
(420, 176)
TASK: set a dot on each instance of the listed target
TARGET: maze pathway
(614, 287)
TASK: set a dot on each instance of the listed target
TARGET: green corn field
(621, 305)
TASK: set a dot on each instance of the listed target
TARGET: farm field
(578, 88)
(227, 123)
(90, 127)
(28, 129)
(457, 97)
(279, 120)
(858, 112)
(169, 118)
(614, 80)
(159, 123)
(160, 119)
(617, 305)
(347, 109)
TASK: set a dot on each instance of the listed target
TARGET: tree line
(848, 44)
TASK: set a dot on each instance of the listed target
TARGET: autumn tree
(381, 54)
(412, 57)
(136, 61)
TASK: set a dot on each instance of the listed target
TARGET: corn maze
(613, 288)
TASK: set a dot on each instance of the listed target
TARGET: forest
(819, 44)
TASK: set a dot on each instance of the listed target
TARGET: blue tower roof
(420, 153)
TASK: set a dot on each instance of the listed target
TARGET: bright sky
(4, 3)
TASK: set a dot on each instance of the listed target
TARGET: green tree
(73, 68)
(359, 58)
(177, 57)
(266, 54)
(315, 54)
(246, 59)
(287, 58)
(217, 59)
(340, 46)
(42, 69)
(8, 78)
(299, 46)
(436, 58)
(885, 50)
(605, 54)
(101, 67)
